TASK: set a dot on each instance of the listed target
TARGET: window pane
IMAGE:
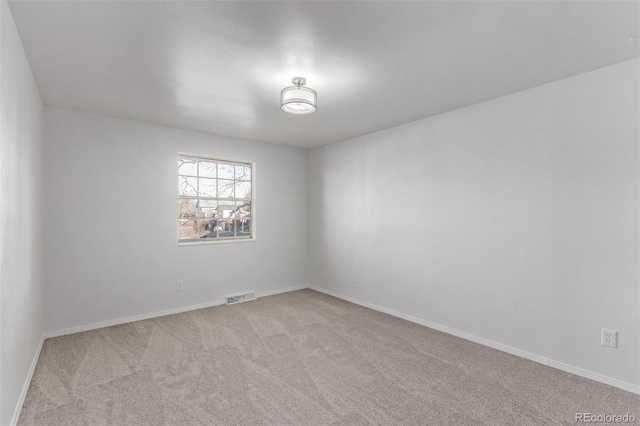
(243, 210)
(225, 229)
(243, 228)
(208, 213)
(207, 169)
(187, 230)
(207, 228)
(187, 209)
(225, 171)
(208, 203)
(207, 187)
(243, 190)
(225, 209)
(225, 188)
(208, 209)
(243, 172)
(187, 166)
(187, 185)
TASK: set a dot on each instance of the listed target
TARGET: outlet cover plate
(609, 338)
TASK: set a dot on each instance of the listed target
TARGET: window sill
(208, 242)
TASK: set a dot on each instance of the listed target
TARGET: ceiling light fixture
(298, 100)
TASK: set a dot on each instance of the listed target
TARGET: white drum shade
(298, 100)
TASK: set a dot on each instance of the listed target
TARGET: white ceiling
(218, 67)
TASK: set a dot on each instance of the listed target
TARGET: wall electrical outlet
(609, 338)
(352, 278)
(179, 285)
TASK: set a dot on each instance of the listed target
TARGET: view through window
(214, 199)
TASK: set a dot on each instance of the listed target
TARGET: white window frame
(218, 240)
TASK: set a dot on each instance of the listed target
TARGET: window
(215, 199)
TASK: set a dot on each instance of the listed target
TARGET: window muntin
(215, 199)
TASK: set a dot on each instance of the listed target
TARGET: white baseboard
(27, 382)
(279, 291)
(134, 318)
(495, 345)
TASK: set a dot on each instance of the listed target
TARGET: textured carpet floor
(300, 358)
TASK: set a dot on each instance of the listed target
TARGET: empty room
(319, 212)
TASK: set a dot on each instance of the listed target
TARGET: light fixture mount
(299, 81)
(298, 100)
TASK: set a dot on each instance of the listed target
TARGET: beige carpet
(300, 358)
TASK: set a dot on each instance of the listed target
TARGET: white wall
(21, 218)
(111, 225)
(515, 220)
